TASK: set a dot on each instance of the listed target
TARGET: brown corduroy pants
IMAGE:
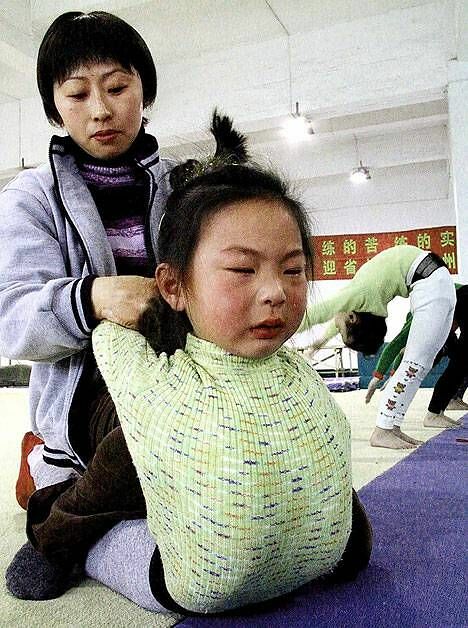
(65, 520)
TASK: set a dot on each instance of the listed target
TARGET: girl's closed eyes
(253, 265)
(244, 271)
(295, 271)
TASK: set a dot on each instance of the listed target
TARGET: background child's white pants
(432, 302)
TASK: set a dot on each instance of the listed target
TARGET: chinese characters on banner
(339, 257)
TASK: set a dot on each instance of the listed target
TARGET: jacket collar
(144, 151)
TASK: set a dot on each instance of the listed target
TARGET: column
(458, 124)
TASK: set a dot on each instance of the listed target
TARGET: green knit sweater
(375, 284)
(244, 464)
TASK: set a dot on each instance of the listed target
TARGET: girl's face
(246, 288)
(101, 106)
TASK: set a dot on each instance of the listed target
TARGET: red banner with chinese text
(339, 257)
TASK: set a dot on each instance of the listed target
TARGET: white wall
(10, 136)
(35, 132)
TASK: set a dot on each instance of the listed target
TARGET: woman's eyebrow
(75, 77)
(121, 70)
(239, 249)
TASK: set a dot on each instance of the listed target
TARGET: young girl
(78, 234)
(358, 313)
(242, 454)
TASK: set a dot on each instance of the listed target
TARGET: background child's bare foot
(403, 436)
(439, 420)
(388, 439)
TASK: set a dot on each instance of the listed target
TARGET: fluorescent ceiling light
(297, 126)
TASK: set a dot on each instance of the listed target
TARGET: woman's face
(246, 289)
(101, 106)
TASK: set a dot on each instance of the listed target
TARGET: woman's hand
(122, 299)
(372, 387)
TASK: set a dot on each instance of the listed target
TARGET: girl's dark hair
(199, 191)
(366, 334)
(76, 38)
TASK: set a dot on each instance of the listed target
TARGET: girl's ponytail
(165, 329)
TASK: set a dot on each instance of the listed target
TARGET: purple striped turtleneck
(120, 189)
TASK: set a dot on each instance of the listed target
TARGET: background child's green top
(375, 284)
(244, 464)
(392, 354)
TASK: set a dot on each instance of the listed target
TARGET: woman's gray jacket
(52, 238)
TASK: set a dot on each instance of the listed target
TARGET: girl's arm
(119, 352)
(347, 300)
(391, 352)
(128, 365)
(330, 332)
(324, 311)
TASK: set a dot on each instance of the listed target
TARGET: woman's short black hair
(76, 38)
(366, 333)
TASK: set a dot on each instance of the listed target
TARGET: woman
(78, 235)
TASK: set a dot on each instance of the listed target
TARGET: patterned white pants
(432, 302)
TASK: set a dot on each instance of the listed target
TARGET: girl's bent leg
(65, 528)
(121, 561)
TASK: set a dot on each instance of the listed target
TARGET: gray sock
(31, 577)
(121, 561)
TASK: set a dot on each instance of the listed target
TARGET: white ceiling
(177, 28)
(365, 68)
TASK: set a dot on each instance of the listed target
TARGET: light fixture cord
(289, 54)
(357, 150)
